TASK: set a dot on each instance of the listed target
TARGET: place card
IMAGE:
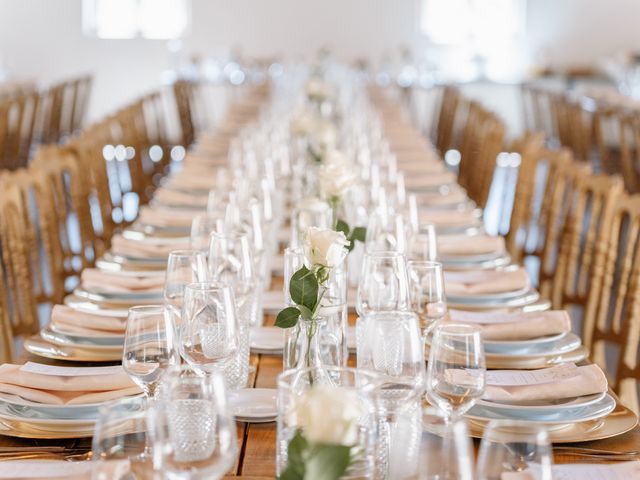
(592, 471)
(41, 369)
(531, 377)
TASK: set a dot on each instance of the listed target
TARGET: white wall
(42, 39)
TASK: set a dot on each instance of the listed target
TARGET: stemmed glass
(446, 451)
(423, 244)
(456, 375)
(386, 232)
(183, 267)
(121, 443)
(514, 446)
(383, 283)
(208, 331)
(149, 347)
(426, 286)
(194, 433)
(202, 227)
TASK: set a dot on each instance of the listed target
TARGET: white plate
(488, 297)
(530, 341)
(65, 340)
(547, 405)
(86, 306)
(556, 417)
(468, 303)
(89, 339)
(254, 404)
(567, 343)
(123, 298)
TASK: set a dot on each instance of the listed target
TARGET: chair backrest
(183, 93)
(616, 301)
(17, 124)
(585, 236)
(446, 118)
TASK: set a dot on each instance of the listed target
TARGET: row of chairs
(579, 231)
(600, 126)
(30, 117)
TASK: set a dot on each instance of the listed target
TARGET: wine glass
(194, 432)
(384, 284)
(514, 446)
(423, 244)
(426, 286)
(310, 212)
(202, 227)
(446, 451)
(149, 347)
(183, 267)
(456, 375)
(386, 232)
(231, 262)
(208, 331)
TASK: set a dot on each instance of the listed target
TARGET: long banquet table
(257, 442)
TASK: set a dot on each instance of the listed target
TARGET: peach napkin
(464, 245)
(98, 280)
(428, 180)
(448, 218)
(589, 379)
(515, 325)
(449, 196)
(484, 282)
(61, 469)
(65, 318)
(65, 390)
(145, 248)
(167, 217)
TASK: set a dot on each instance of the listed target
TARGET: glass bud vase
(302, 348)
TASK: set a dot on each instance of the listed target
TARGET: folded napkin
(464, 245)
(450, 196)
(429, 180)
(97, 280)
(515, 325)
(144, 248)
(581, 471)
(177, 197)
(448, 218)
(65, 389)
(61, 469)
(586, 380)
(66, 319)
(166, 217)
(484, 282)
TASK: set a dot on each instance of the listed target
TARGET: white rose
(325, 247)
(335, 175)
(302, 123)
(316, 89)
(323, 137)
(329, 415)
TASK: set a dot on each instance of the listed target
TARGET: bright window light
(121, 19)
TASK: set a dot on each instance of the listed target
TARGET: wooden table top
(257, 442)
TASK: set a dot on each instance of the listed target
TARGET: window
(486, 32)
(153, 19)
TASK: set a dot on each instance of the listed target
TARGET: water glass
(194, 433)
(426, 286)
(201, 229)
(121, 442)
(510, 446)
(294, 260)
(346, 389)
(208, 331)
(446, 451)
(386, 232)
(384, 284)
(311, 212)
(149, 346)
(183, 267)
(456, 375)
(423, 245)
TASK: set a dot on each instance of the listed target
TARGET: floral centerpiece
(323, 447)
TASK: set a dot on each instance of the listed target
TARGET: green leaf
(359, 234)
(303, 288)
(295, 458)
(327, 462)
(305, 312)
(288, 317)
(342, 226)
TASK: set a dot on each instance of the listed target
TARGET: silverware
(595, 451)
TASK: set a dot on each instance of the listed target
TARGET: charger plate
(146, 298)
(529, 362)
(61, 339)
(620, 421)
(19, 429)
(40, 347)
(86, 306)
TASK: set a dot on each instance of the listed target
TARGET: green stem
(334, 202)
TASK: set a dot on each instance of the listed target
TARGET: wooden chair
(616, 301)
(183, 94)
(17, 124)
(584, 238)
(446, 118)
(629, 143)
(19, 316)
